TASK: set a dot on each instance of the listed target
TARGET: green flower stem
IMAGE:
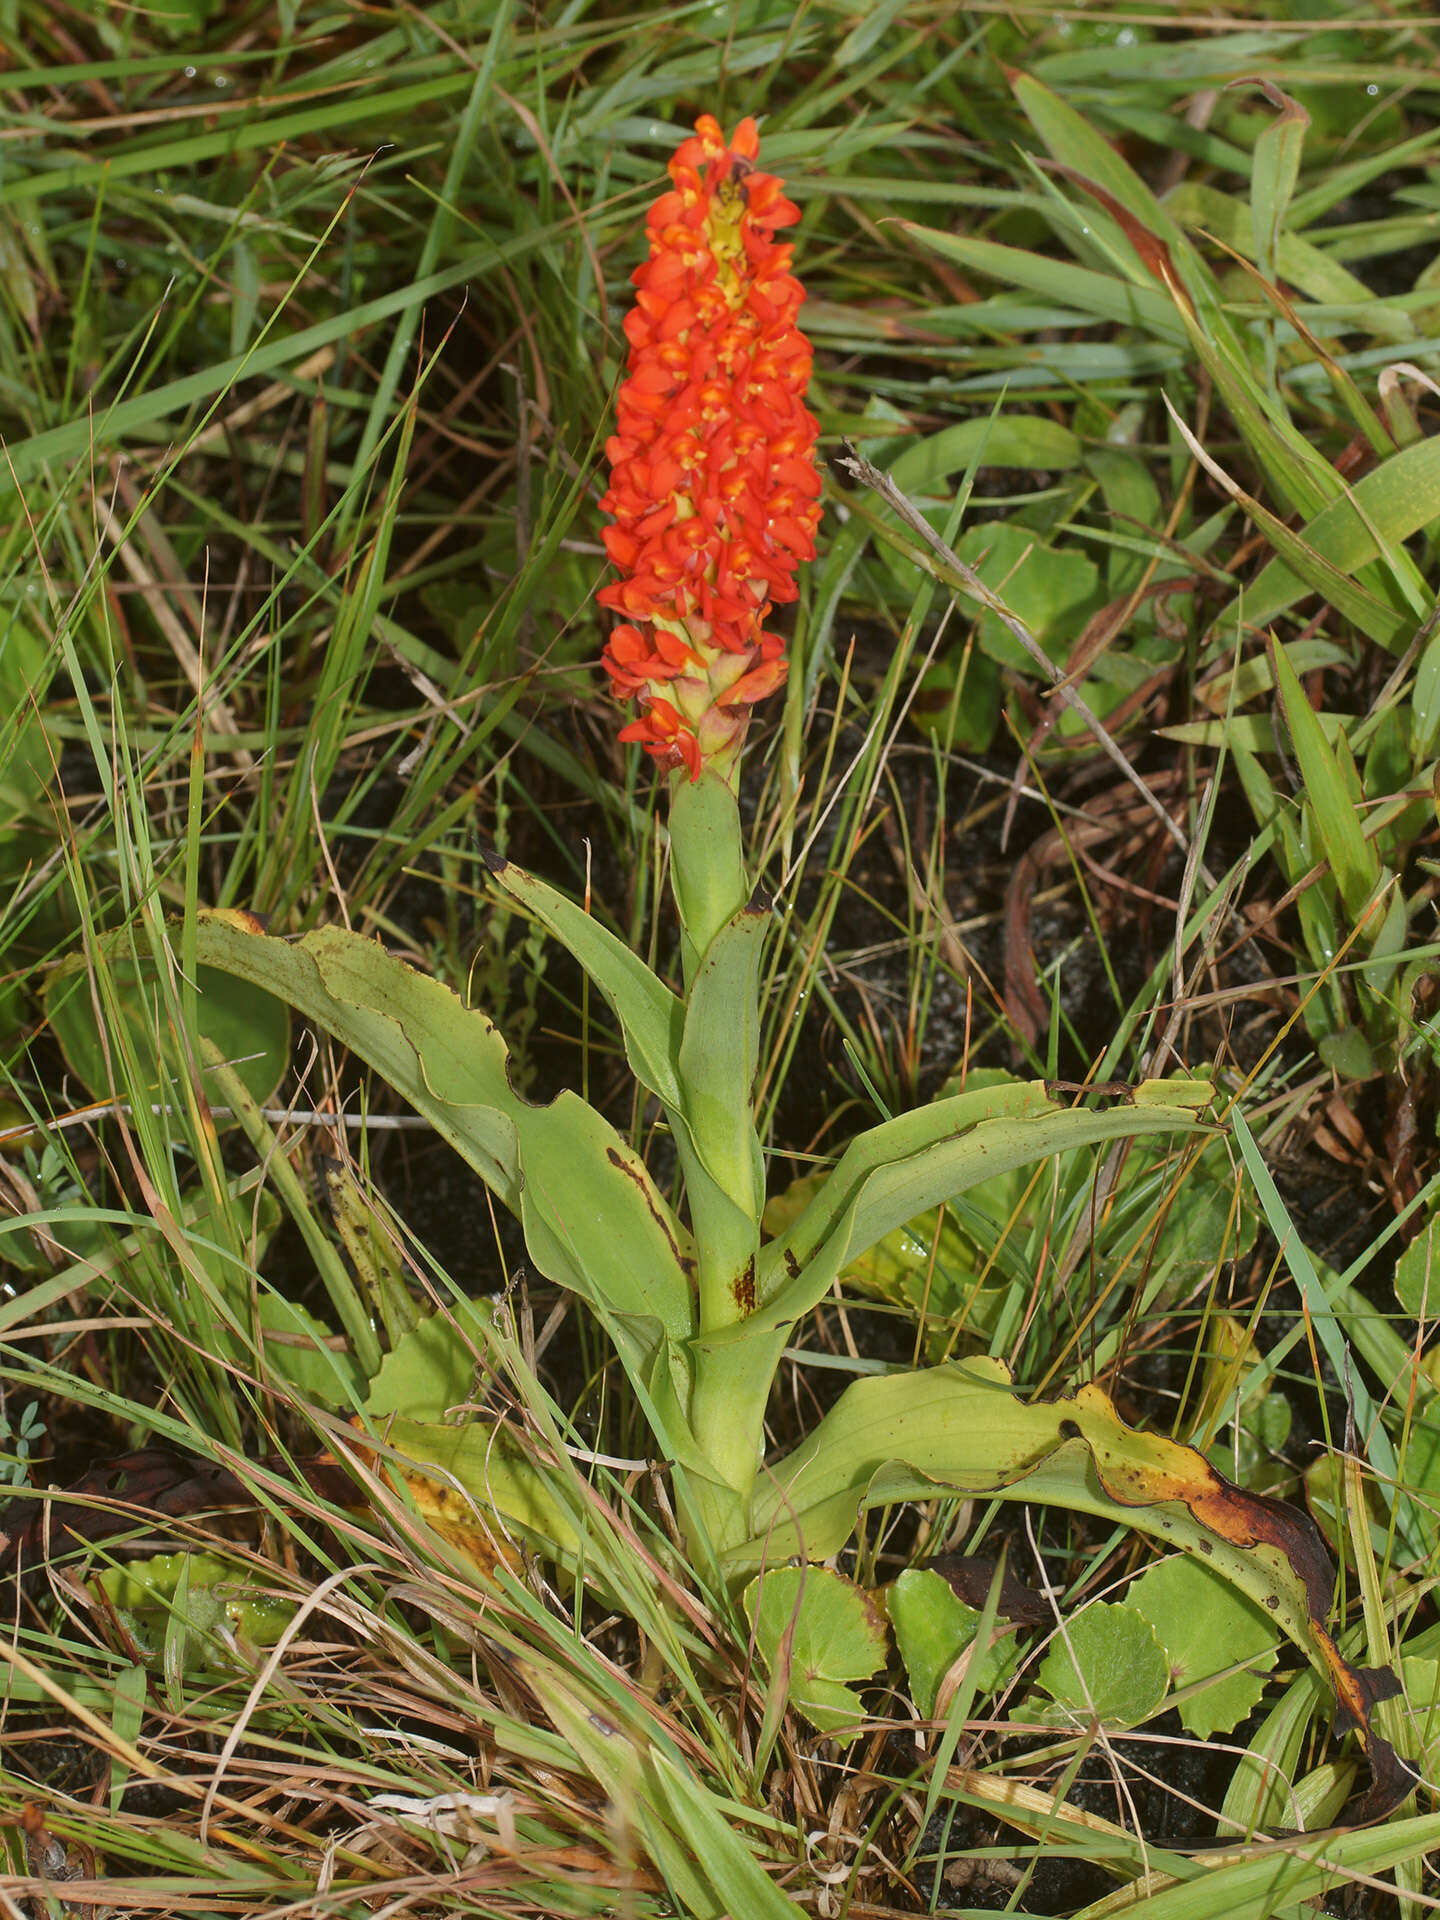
(733, 1378)
(707, 862)
(719, 1148)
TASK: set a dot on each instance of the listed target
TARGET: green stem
(707, 862)
(732, 1381)
(720, 1153)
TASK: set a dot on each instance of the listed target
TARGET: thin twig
(293, 1116)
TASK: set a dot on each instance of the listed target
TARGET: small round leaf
(1107, 1666)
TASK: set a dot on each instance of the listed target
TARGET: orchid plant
(714, 500)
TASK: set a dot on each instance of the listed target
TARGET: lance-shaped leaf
(1315, 273)
(1378, 621)
(707, 861)
(593, 1219)
(697, 1057)
(689, 1833)
(650, 1015)
(718, 1058)
(1301, 477)
(1352, 857)
(888, 1144)
(898, 1170)
(1103, 295)
(1082, 148)
(1398, 498)
(1276, 169)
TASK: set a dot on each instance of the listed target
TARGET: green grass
(309, 329)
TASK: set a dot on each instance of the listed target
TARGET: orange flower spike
(714, 492)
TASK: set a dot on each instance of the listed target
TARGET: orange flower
(713, 487)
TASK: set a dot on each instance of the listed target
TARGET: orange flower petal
(714, 490)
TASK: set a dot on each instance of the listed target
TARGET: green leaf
(300, 1350)
(732, 1880)
(933, 1627)
(885, 1147)
(1299, 264)
(1324, 1306)
(816, 1630)
(1077, 145)
(719, 1053)
(957, 700)
(1286, 1878)
(1303, 479)
(593, 1219)
(181, 21)
(1425, 699)
(1260, 1794)
(695, 1838)
(1105, 1664)
(932, 1263)
(248, 1026)
(1249, 733)
(1052, 589)
(1024, 440)
(962, 1427)
(26, 762)
(1206, 1629)
(1130, 494)
(1206, 1214)
(1357, 602)
(431, 1369)
(1103, 296)
(1275, 169)
(207, 1596)
(650, 1015)
(896, 1171)
(130, 1702)
(1421, 1678)
(1397, 499)
(707, 861)
(1417, 1275)
(462, 1477)
(957, 1268)
(1352, 857)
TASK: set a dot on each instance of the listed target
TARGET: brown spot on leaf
(1168, 1472)
(745, 1289)
(632, 1171)
(1242, 1519)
